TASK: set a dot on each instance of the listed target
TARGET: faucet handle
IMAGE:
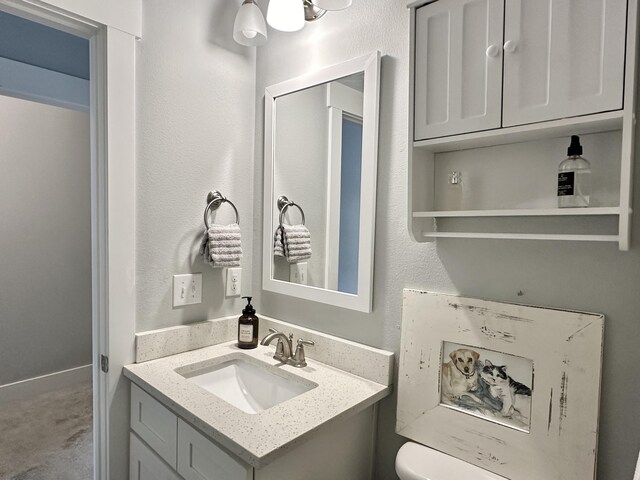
(299, 359)
(273, 330)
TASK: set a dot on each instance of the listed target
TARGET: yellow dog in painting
(460, 375)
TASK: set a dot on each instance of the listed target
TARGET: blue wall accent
(35, 44)
(350, 187)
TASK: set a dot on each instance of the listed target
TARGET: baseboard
(34, 386)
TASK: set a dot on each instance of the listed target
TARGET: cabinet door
(155, 424)
(562, 58)
(201, 459)
(146, 465)
(458, 67)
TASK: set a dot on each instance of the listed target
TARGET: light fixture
(311, 11)
(286, 15)
(249, 28)
(332, 4)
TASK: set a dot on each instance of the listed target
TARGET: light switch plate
(187, 289)
(234, 281)
(298, 273)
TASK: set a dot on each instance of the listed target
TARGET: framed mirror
(321, 157)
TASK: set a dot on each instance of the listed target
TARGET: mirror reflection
(317, 166)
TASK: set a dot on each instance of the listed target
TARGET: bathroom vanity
(284, 422)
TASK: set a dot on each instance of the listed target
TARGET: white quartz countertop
(256, 438)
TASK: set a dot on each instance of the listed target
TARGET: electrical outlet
(234, 281)
(298, 273)
(187, 289)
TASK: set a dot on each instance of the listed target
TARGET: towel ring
(283, 204)
(214, 200)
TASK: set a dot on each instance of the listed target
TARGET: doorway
(112, 29)
(46, 393)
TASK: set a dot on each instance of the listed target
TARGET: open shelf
(600, 122)
(542, 212)
(525, 236)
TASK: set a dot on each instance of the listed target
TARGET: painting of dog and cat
(491, 385)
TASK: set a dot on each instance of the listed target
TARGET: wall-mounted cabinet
(494, 101)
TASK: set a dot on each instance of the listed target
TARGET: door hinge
(104, 363)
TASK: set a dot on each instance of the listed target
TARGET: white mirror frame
(370, 65)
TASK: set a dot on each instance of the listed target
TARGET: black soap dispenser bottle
(248, 327)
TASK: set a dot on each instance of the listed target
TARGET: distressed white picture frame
(566, 350)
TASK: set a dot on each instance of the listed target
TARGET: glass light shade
(249, 28)
(332, 4)
(286, 15)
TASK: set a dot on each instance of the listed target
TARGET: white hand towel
(222, 246)
(637, 474)
(296, 241)
(278, 246)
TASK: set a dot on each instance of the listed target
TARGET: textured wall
(45, 240)
(589, 277)
(195, 100)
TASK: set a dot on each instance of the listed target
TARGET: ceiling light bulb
(249, 28)
(332, 4)
(286, 15)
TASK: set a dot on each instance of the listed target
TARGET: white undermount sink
(250, 386)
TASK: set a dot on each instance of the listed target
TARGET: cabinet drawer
(146, 465)
(155, 424)
(200, 459)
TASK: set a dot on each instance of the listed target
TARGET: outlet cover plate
(234, 282)
(298, 273)
(187, 289)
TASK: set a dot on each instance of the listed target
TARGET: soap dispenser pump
(248, 327)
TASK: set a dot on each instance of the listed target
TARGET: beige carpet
(48, 437)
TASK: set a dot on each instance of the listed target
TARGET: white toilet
(417, 462)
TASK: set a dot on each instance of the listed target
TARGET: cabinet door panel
(155, 424)
(562, 58)
(457, 78)
(200, 459)
(146, 465)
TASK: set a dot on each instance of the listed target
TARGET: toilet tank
(417, 462)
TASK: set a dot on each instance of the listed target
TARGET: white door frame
(112, 28)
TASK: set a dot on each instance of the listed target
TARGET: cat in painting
(514, 396)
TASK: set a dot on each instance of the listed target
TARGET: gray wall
(45, 245)
(589, 277)
(195, 102)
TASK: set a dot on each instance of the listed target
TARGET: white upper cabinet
(562, 58)
(458, 67)
(485, 64)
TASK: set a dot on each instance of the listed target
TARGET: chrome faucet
(284, 348)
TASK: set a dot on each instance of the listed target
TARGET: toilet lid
(417, 462)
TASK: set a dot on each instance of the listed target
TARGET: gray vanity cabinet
(166, 447)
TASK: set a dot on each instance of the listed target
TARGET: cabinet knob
(510, 46)
(493, 51)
